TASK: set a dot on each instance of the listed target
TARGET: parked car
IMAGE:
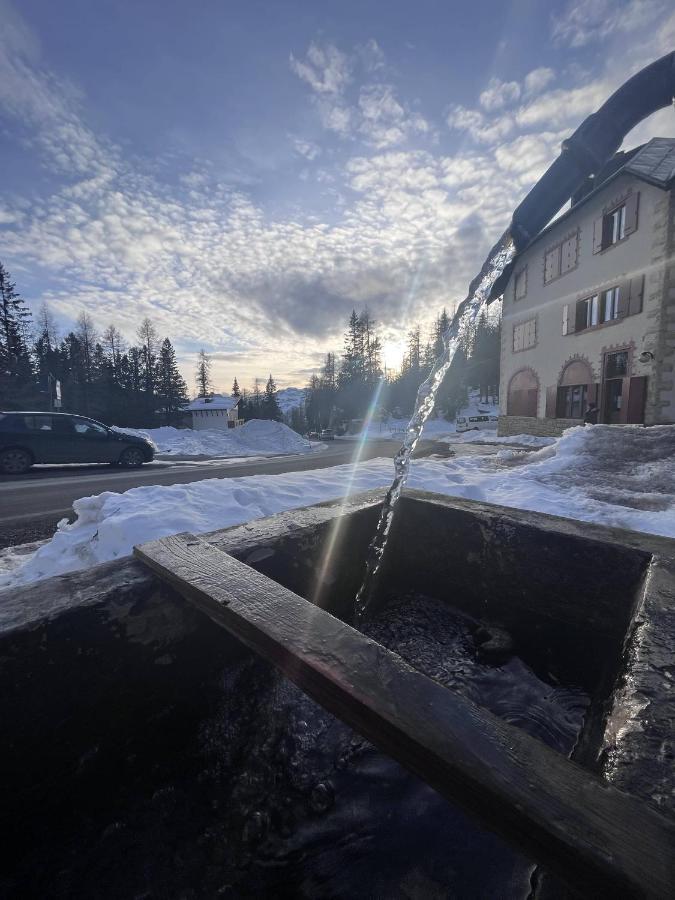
(314, 435)
(476, 423)
(36, 437)
(327, 434)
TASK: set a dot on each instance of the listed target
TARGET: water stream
(424, 406)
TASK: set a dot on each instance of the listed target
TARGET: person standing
(591, 417)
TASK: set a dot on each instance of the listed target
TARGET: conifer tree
(171, 386)
(270, 404)
(235, 388)
(16, 369)
(203, 375)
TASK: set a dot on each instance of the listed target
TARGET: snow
(259, 437)
(215, 401)
(290, 397)
(620, 476)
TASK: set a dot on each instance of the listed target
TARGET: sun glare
(392, 354)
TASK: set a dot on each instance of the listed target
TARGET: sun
(392, 354)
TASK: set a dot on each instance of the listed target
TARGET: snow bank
(618, 476)
(259, 437)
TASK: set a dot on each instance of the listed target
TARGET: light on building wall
(646, 356)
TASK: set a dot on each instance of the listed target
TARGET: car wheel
(132, 458)
(15, 461)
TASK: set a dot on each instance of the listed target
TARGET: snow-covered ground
(259, 437)
(618, 476)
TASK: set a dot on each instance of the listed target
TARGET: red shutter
(636, 292)
(551, 401)
(624, 298)
(597, 234)
(631, 222)
(637, 394)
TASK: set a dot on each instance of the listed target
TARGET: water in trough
(278, 798)
(424, 406)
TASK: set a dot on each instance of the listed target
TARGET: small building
(589, 304)
(216, 411)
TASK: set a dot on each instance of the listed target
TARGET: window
(616, 364)
(610, 304)
(562, 258)
(552, 264)
(569, 254)
(88, 428)
(616, 223)
(520, 286)
(587, 313)
(524, 335)
(572, 401)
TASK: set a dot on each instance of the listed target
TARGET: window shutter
(624, 298)
(635, 297)
(566, 319)
(631, 221)
(637, 394)
(597, 234)
(551, 401)
(569, 254)
(592, 393)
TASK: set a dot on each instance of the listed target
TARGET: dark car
(36, 437)
(327, 434)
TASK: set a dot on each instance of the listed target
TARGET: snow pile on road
(259, 437)
(617, 476)
(109, 524)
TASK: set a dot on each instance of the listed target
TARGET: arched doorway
(573, 391)
(523, 394)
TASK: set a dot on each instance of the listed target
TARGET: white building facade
(216, 411)
(589, 307)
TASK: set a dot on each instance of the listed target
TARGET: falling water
(424, 405)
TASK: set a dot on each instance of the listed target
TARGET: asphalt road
(32, 504)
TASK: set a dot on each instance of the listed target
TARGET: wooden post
(594, 837)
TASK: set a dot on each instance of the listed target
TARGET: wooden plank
(592, 835)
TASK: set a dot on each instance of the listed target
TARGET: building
(589, 304)
(216, 411)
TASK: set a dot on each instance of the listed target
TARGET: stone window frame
(558, 245)
(536, 334)
(610, 207)
(518, 371)
(629, 347)
(577, 357)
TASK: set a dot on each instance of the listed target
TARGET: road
(32, 504)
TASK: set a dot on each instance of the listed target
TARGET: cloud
(586, 22)
(499, 94)
(537, 80)
(357, 107)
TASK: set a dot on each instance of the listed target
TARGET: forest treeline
(345, 389)
(140, 385)
(97, 373)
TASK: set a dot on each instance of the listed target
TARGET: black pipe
(592, 144)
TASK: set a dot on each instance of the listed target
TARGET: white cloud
(537, 80)
(589, 21)
(371, 111)
(499, 94)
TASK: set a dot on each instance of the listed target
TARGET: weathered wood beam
(596, 838)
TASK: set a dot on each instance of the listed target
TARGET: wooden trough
(601, 822)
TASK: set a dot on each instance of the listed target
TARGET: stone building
(589, 304)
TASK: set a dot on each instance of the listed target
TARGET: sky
(245, 173)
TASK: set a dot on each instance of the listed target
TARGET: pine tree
(16, 370)
(270, 404)
(171, 386)
(235, 388)
(203, 375)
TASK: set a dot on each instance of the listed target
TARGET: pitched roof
(654, 163)
(215, 401)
